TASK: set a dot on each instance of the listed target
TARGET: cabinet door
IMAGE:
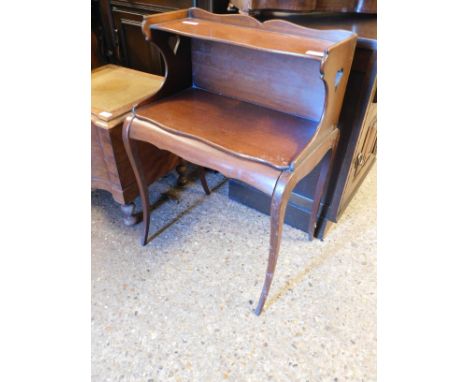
(132, 49)
(366, 148)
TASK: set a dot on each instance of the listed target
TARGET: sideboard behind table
(122, 41)
(357, 148)
(260, 7)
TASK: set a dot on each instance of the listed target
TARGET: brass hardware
(360, 159)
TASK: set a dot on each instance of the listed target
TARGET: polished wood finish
(226, 124)
(266, 36)
(357, 148)
(114, 91)
(236, 123)
(287, 80)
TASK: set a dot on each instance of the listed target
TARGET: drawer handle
(360, 159)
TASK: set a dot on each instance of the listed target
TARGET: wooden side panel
(365, 153)
(110, 167)
(288, 84)
(98, 165)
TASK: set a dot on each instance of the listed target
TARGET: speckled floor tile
(180, 309)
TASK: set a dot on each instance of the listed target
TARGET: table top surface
(115, 89)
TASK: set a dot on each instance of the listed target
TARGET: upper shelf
(276, 36)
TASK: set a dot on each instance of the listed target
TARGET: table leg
(128, 211)
(182, 170)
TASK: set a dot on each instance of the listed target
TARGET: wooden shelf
(275, 36)
(231, 125)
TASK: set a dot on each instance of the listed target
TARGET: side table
(114, 90)
(258, 102)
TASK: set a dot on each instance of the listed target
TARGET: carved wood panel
(366, 148)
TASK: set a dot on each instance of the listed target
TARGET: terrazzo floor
(180, 309)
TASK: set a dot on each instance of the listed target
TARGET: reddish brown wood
(293, 85)
(353, 159)
(279, 201)
(226, 123)
(228, 127)
(135, 161)
(270, 36)
(111, 170)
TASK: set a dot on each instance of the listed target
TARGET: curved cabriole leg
(279, 202)
(134, 158)
(201, 172)
(319, 189)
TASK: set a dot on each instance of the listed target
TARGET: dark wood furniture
(258, 102)
(114, 90)
(357, 148)
(121, 29)
(349, 6)
(97, 40)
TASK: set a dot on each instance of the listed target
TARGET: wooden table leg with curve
(258, 102)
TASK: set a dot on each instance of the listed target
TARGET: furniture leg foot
(134, 158)
(201, 171)
(279, 202)
(182, 170)
(128, 211)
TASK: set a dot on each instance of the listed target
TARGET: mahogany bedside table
(258, 102)
(114, 91)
